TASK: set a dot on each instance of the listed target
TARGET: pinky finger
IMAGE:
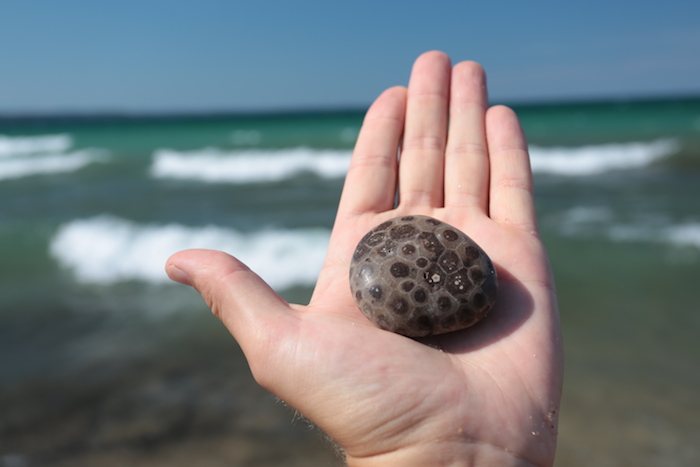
(511, 189)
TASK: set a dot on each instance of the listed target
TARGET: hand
(485, 395)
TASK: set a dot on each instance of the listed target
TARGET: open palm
(487, 394)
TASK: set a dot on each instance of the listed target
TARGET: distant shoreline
(117, 115)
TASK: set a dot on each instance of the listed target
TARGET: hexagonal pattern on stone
(418, 276)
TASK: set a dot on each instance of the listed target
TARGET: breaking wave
(252, 166)
(106, 250)
(23, 156)
(22, 145)
(598, 221)
(597, 159)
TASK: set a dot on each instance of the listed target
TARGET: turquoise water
(101, 355)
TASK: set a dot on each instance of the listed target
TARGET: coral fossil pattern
(418, 276)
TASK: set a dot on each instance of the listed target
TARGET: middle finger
(421, 165)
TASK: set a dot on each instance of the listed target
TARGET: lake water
(103, 361)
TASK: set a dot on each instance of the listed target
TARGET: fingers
(482, 166)
(511, 199)
(370, 185)
(246, 305)
(421, 164)
(466, 158)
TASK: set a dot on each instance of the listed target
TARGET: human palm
(487, 394)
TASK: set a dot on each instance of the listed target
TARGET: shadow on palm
(514, 303)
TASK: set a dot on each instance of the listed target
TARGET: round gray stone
(418, 276)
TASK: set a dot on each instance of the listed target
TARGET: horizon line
(311, 110)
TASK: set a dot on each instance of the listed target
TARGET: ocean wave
(213, 165)
(581, 220)
(107, 250)
(681, 235)
(18, 167)
(687, 234)
(252, 166)
(599, 221)
(246, 137)
(22, 145)
(597, 159)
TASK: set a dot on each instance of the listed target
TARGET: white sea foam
(597, 159)
(107, 250)
(687, 234)
(349, 134)
(599, 221)
(21, 145)
(582, 219)
(18, 167)
(216, 166)
(682, 235)
(246, 137)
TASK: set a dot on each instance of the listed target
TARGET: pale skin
(486, 395)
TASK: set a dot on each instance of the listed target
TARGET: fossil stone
(418, 276)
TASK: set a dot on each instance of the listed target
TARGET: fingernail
(178, 275)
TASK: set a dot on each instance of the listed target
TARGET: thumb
(244, 303)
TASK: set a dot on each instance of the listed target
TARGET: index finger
(370, 184)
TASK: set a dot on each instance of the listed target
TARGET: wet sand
(187, 398)
(168, 417)
(181, 413)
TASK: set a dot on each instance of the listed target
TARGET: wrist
(439, 455)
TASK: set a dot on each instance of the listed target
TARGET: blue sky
(214, 55)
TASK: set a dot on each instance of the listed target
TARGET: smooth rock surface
(418, 276)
